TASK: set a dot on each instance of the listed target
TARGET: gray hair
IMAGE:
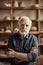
(26, 18)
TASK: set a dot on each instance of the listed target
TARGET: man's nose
(24, 26)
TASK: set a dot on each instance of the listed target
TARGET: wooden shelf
(24, 8)
(41, 32)
(40, 20)
(6, 20)
(3, 56)
(18, 8)
(3, 44)
(31, 32)
(40, 44)
(34, 14)
(5, 8)
(34, 32)
(41, 8)
(5, 33)
(17, 20)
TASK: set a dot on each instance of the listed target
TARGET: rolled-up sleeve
(33, 56)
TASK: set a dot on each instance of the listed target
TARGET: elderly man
(23, 46)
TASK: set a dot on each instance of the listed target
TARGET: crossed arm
(25, 56)
(22, 56)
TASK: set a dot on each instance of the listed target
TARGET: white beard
(23, 33)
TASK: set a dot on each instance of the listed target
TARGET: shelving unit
(9, 15)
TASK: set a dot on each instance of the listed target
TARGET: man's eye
(27, 25)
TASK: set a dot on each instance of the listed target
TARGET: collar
(19, 36)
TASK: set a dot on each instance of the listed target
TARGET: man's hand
(34, 50)
(20, 56)
(11, 53)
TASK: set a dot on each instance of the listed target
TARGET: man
(23, 47)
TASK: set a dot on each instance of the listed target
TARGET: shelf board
(34, 32)
(5, 20)
(21, 8)
(3, 56)
(41, 8)
(31, 19)
(41, 32)
(24, 8)
(41, 56)
(8, 20)
(5, 8)
(4, 44)
(31, 32)
(40, 44)
(40, 20)
(34, 20)
(5, 33)
(17, 20)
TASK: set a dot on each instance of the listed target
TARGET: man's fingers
(10, 49)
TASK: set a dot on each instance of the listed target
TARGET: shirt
(23, 45)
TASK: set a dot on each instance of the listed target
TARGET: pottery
(9, 31)
(16, 30)
(2, 30)
(16, 18)
(15, 3)
(7, 5)
(34, 28)
(21, 4)
(7, 18)
(36, 5)
(1, 42)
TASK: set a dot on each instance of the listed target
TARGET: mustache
(24, 30)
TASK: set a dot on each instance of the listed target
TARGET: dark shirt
(23, 45)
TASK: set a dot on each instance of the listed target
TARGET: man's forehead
(24, 21)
